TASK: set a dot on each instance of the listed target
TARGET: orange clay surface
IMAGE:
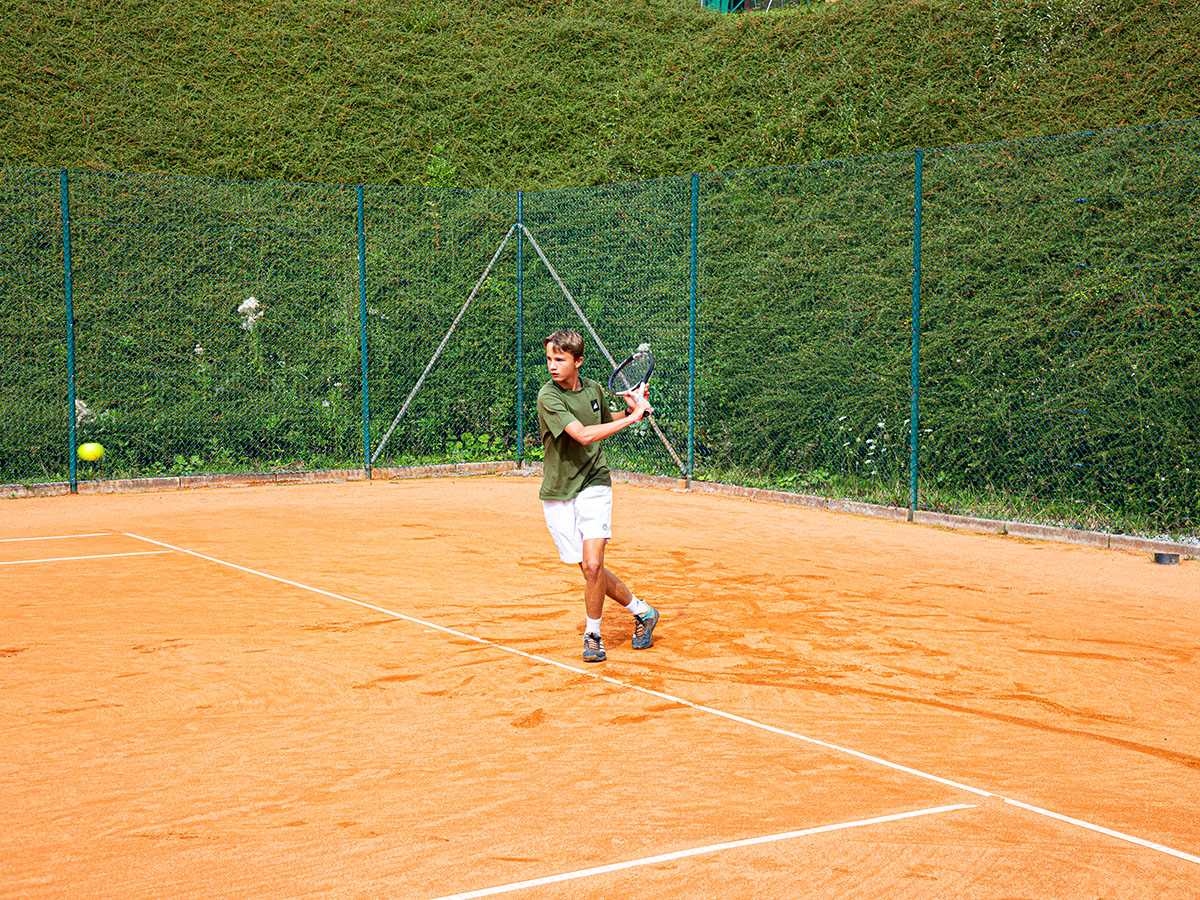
(175, 727)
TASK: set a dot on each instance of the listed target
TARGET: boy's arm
(589, 434)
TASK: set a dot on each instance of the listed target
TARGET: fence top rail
(1012, 142)
(686, 178)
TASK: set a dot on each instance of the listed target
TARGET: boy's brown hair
(566, 340)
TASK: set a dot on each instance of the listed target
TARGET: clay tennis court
(374, 690)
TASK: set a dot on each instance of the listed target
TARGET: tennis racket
(633, 374)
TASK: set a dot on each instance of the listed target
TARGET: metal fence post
(914, 416)
(691, 447)
(71, 417)
(520, 330)
(362, 340)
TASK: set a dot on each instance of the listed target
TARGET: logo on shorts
(595, 406)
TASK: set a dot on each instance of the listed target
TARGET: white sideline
(697, 851)
(17, 562)
(55, 537)
(696, 706)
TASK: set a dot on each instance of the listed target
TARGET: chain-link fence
(1039, 298)
(1060, 329)
(623, 254)
(427, 251)
(805, 371)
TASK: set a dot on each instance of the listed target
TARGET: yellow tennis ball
(90, 451)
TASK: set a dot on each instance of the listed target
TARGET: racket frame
(645, 379)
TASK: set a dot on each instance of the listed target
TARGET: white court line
(697, 851)
(55, 537)
(18, 562)
(1102, 830)
(696, 706)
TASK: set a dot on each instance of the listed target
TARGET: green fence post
(520, 330)
(914, 416)
(362, 341)
(691, 450)
(66, 245)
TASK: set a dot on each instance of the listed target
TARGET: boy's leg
(595, 578)
(593, 513)
(614, 587)
(599, 581)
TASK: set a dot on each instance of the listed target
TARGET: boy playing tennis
(573, 417)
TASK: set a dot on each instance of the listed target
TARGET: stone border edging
(1098, 539)
(250, 479)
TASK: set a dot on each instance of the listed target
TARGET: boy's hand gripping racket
(633, 375)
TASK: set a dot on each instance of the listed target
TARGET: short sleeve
(555, 413)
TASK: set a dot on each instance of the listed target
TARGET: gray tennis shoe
(643, 629)
(593, 648)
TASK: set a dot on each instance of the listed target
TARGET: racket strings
(632, 373)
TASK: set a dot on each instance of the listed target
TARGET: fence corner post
(520, 330)
(691, 445)
(914, 415)
(70, 316)
(362, 340)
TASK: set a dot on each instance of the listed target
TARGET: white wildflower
(83, 414)
(252, 310)
(325, 403)
(199, 350)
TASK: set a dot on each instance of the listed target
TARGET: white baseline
(18, 562)
(55, 537)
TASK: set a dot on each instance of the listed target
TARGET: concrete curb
(252, 479)
(1056, 533)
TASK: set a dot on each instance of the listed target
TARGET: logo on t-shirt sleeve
(595, 406)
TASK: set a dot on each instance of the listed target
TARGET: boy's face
(564, 368)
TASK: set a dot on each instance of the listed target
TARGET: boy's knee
(592, 570)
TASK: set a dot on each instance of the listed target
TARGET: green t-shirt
(570, 466)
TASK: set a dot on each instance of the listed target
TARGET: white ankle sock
(638, 607)
(592, 626)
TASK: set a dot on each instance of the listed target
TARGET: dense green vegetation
(505, 94)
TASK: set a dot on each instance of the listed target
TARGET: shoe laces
(639, 626)
(591, 641)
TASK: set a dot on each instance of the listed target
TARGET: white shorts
(582, 518)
